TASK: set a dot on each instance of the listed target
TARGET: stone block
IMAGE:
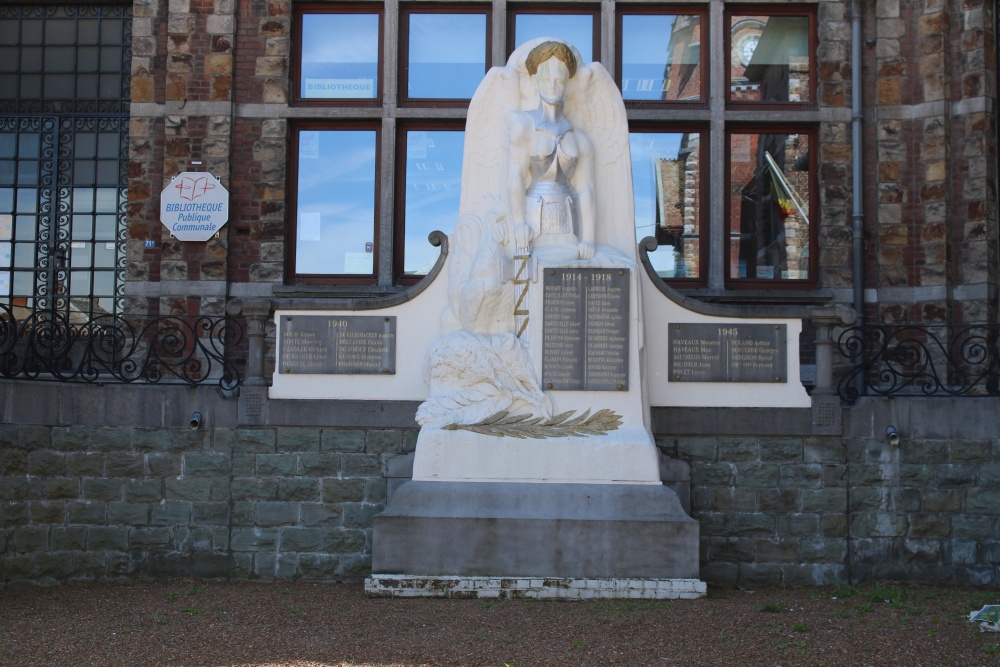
(163, 465)
(107, 538)
(343, 490)
(989, 476)
(343, 541)
(935, 526)
(360, 515)
(864, 451)
(28, 539)
(804, 475)
(698, 449)
(301, 539)
(925, 451)
(106, 489)
(714, 524)
(89, 566)
(277, 513)
(169, 512)
(212, 513)
(818, 574)
(253, 441)
(361, 465)
(125, 465)
(969, 451)
(731, 549)
(972, 526)
(955, 476)
(85, 464)
(712, 474)
(798, 525)
(298, 440)
(921, 551)
(14, 462)
(243, 512)
(298, 489)
(868, 499)
(979, 501)
(742, 450)
(13, 514)
(731, 498)
(764, 475)
(777, 551)
(87, 512)
(384, 441)
(71, 538)
(888, 525)
(254, 489)
(15, 568)
(824, 450)
(960, 552)
(244, 465)
(277, 464)
(320, 465)
(823, 551)
(905, 500)
(162, 440)
(129, 514)
(376, 490)
(868, 474)
(65, 488)
(834, 475)
(47, 511)
(20, 436)
(207, 464)
(915, 474)
(783, 450)
(779, 500)
(46, 463)
(356, 567)
(254, 539)
(222, 489)
(833, 525)
(318, 567)
(187, 488)
(747, 524)
(320, 514)
(723, 575)
(143, 490)
(208, 565)
(343, 440)
(755, 575)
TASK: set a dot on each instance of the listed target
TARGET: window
(63, 93)
(336, 202)
(725, 150)
(430, 71)
(765, 216)
(339, 56)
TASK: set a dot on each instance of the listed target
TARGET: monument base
(529, 530)
(408, 586)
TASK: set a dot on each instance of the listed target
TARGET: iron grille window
(64, 90)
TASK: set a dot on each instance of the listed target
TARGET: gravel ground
(186, 622)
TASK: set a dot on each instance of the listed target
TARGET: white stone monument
(535, 468)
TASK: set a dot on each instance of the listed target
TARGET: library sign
(195, 206)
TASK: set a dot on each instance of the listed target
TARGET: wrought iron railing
(924, 360)
(46, 345)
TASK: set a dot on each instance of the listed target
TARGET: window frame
(513, 10)
(399, 203)
(810, 283)
(292, 277)
(704, 223)
(704, 52)
(408, 10)
(807, 11)
(295, 66)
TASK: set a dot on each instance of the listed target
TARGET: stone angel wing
(594, 105)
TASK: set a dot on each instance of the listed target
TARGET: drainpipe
(857, 187)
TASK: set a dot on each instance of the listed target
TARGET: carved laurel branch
(527, 426)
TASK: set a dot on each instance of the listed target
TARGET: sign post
(195, 206)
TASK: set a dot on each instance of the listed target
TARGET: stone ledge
(539, 588)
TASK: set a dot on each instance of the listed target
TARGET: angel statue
(546, 181)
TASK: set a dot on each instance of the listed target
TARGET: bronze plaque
(337, 345)
(585, 329)
(728, 352)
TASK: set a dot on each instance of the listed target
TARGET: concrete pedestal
(564, 531)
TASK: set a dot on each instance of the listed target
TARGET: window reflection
(661, 57)
(666, 176)
(433, 181)
(335, 229)
(340, 56)
(769, 206)
(769, 59)
(577, 29)
(453, 72)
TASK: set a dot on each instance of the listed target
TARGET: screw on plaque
(548, 386)
(620, 387)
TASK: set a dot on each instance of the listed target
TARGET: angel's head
(552, 64)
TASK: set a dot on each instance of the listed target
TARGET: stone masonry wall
(815, 510)
(91, 503)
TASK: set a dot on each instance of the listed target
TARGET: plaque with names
(337, 345)
(585, 329)
(728, 352)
